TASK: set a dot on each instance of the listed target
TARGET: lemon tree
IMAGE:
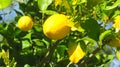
(59, 33)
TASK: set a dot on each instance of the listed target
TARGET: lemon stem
(43, 14)
(69, 64)
(84, 61)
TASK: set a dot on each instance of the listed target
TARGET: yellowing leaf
(77, 27)
(74, 2)
(83, 1)
(118, 54)
(66, 4)
(58, 2)
(75, 53)
(5, 56)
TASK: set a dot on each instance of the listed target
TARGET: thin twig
(49, 54)
(91, 56)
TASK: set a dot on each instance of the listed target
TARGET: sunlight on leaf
(4, 3)
(58, 2)
(43, 4)
(118, 54)
(113, 6)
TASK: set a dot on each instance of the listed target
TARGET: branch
(49, 54)
(90, 56)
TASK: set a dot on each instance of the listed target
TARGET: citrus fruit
(25, 23)
(117, 22)
(75, 53)
(56, 26)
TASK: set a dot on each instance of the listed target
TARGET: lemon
(25, 23)
(117, 22)
(75, 53)
(56, 26)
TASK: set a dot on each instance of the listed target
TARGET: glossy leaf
(113, 6)
(92, 28)
(104, 34)
(43, 4)
(25, 44)
(4, 3)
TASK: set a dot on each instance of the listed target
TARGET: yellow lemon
(75, 53)
(117, 22)
(25, 23)
(56, 26)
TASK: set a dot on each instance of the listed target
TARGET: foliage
(33, 49)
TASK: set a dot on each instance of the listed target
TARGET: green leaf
(89, 39)
(49, 12)
(28, 35)
(92, 3)
(104, 34)
(113, 6)
(39, 43)
(61, 49)
(4, 3)
(110, 57)
(43, 4)
(16, 32)
(1, 37)
(83, 1)
(26, 65)
(12, 63)
(25, 44)
(92, 28)
(37, 28)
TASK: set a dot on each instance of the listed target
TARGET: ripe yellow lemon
(75, 53)
(117, 22)
(25, 23)
(56, 26)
